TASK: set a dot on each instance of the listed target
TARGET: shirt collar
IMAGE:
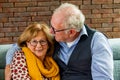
(83, 31)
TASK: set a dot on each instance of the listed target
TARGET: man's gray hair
(74, 18)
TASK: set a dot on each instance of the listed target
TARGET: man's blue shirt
(102, 55)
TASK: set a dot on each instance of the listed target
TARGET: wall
(15, 15)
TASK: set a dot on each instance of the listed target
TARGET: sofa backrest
(3, 50)
(114, 43)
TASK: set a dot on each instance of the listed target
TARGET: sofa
(114, 43)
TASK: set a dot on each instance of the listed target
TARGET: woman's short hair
(32, 31)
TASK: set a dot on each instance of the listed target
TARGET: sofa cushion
(115, 44)
(3, 50)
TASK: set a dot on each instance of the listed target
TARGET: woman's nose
(38, 45)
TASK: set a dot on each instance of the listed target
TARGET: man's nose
(51, 31)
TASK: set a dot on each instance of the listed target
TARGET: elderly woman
(34, 60)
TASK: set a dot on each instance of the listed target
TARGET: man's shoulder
(14, 47)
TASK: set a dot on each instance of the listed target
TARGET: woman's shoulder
(19, 53)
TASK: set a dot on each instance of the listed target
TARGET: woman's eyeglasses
(35, 42)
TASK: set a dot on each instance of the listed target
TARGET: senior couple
(76, 52)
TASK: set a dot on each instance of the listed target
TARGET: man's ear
(72, 32)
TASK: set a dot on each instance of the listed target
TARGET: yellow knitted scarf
(36, 68)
